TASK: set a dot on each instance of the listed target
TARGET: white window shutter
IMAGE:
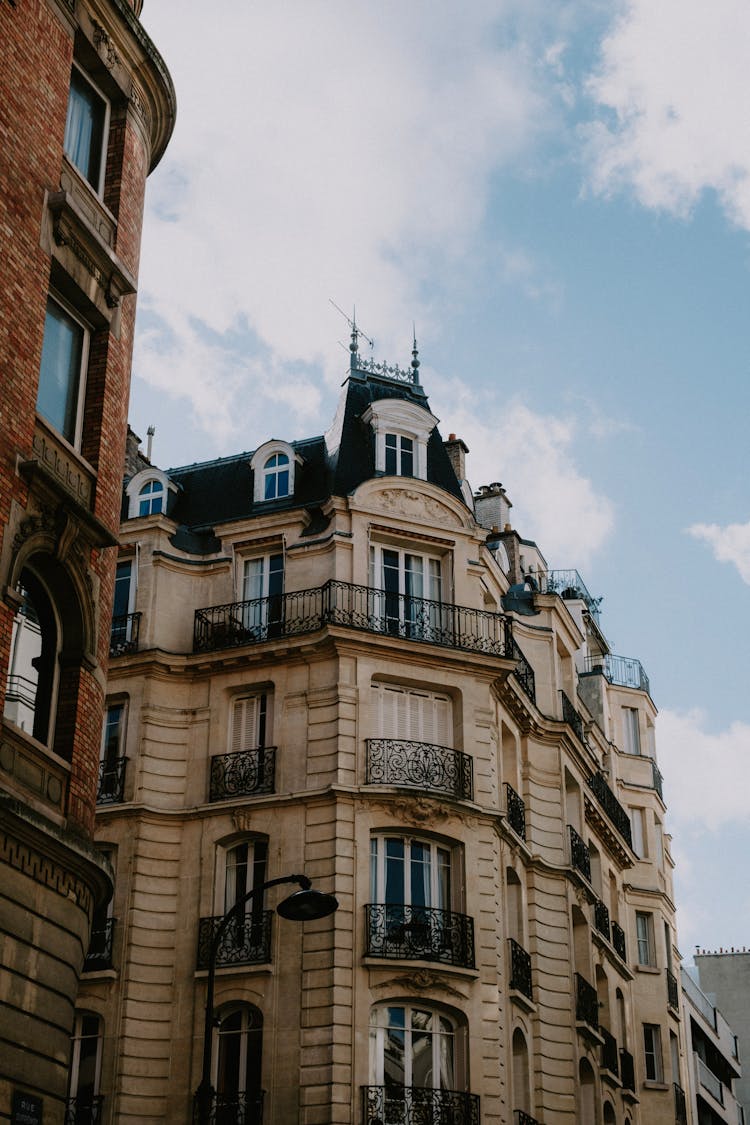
(245, 717)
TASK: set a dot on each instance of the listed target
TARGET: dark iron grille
(523, 1118)
(99, 954)
(601, 918)
(246, 940)
(417, 1105)
(124, 634)
(392, 761)
(611, 806)
(84, 1111)
(627, 1070)
(232, 1109)
(579, 853)
(623, 671)
(523, 672)
(673, 992)
(657, 779)
(680, 1105)
(587, 1002)
(572, 718)
(111, 782)
(609, 1051)
(571, 587)
(420, 932)
(516, 814)
(520, 969)
(618, 940)
(245, 773)
(354, 607)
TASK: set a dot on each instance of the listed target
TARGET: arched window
(151, 498)
(412, 1046)
(33, 662)
(610, 1117)
(84, 1100)
(521, 1083)
(247, 938)
(237, 1066)
(276, 477)
(586, 1093)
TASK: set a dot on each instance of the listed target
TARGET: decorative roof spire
(354, 345)
(415, 355)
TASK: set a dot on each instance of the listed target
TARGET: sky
(556, 199)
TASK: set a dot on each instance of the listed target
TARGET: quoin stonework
(86, 110)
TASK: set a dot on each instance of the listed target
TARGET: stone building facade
(86, 110)
(332, 658)
(713, 1053)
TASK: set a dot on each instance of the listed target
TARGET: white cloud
(707, 774)
(729, 544)
(674, 83)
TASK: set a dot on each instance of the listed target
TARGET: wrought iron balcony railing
(680, 1105)
(523, 672)
(232, 1109)
(111, 782)
(627, 1070)
(246, 773)
(611, 806)
(99, 955)
(618, 940)
(580, 857)
(673, 991)
(572, 718)
(84, 1110)
(246, 941)
(124, 634)
(353, 607)
(622, 671)
(418, 1105)
(609, 1051)
(657, 779)
(571, 587)
(420, 932)
(587, 1003)
(520, 969)
(601, 918)
(523, 1118)
(516, 811)
(397, 761)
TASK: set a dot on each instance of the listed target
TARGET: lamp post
(303, 905)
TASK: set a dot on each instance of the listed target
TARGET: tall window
(644, 928)
(249, 723)
(237, 1066)
(262, 590)
(111, 763)
(276, 477)
(638, 828)
(31, 680)
(399, 455)
(411, 1047)
(245, 869)
(405, 871)
(412, 588)
(151, 498)
(85, 1065)
(61, 375)
(652, 1052)
(122, 607)
(631, 730)
(417, 716)
(86, 129)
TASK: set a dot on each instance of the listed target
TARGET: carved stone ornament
(105, 46)
(415, 505)
(420, 811)
(419, 981)
(242, 820)
(44, 520)
(138, 102)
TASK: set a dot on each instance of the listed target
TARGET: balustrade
(587, 1003)
(99, 955)
(611, 806)
(418, 1105)
(392, 761)
(516, 811)
(402, 931)
(246, 773)
(232, 1109)
(84, 1111)
(111, 786)
(520, 969)
(609, 1051)
(124, 634)
(618, 940)
(580, 856)
(245, 941)
(601, 918)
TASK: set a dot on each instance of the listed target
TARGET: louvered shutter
(245, 723)
(414, 715)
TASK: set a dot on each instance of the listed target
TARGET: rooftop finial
(415, 354)
(354, 346)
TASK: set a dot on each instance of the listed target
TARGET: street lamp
(304, 905)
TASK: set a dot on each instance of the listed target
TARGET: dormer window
(151, 498)
(402, 430)
(399, 455)
(276, 477)
(274, 465)
(148, 493)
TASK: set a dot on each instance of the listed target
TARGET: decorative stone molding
(419, 981)
(105, 46)
(420, 811)
(138, 102)
(415, 505)
(43, 869)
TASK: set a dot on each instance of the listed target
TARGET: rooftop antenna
(149, 440)
(356, 332)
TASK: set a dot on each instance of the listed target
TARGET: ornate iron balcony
(680, 1105)
(418, 1105)
(609, 1051)
(623, 671)
(99, 955)
(571, 587)
(516, 812)
(419, 932)
(124, 634)
(673, 991)
(353, 607)
(618, 940)
(392, 761)
(601, 918)
(246, 941)
(572, 718)
(657, 779)
(84, 1111)
(523, 1118)
(233, 1109)
(111, 782)
(611, 806)
(523, 672)
(246, 773)
(580, 857)
(627, 1070)
(587, 1003)
(520, 969)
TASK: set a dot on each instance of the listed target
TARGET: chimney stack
(457, 450)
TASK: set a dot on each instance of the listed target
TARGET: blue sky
(559, 197)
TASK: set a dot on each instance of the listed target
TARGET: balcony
(609, 1052)
(111, 782)
(657, 780)
(516, 811)
(611, 806)
(709, 1081)
(421, 765)
(84, 1111)
(618, 940)
(232, 1109)
(523, 1118)
(680, 1105)
(673, 991)
(246, 941)
(587, 1003)
(601, 918)
(580, 859)
(246, 773)
(523, 672)
(418, 1105)
(124, 634)
(621, 671)
(572, 718)
(421, 933)
(627, 1070)
(571, 587)
(352, 607)
(520, 970)
(99, 955)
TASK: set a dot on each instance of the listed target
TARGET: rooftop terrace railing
(571, 587)
(622, 671)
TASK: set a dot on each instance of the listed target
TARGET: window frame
(76, 1039)
(379, 1025)
(411, 720)
(250, 1055)
(644, 939)
(652, 1054)
(273, 474)
(631, 732)
(402, 419)
(262, 721)
(259, 462)
(73, 437)
(444, 861)
(98, 185)
(156, 494)
(106, 759)
(50, 682)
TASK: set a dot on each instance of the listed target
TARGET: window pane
(60, 372)
(84, 128)
(407, 457)
(112, 735)
(390, 454)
